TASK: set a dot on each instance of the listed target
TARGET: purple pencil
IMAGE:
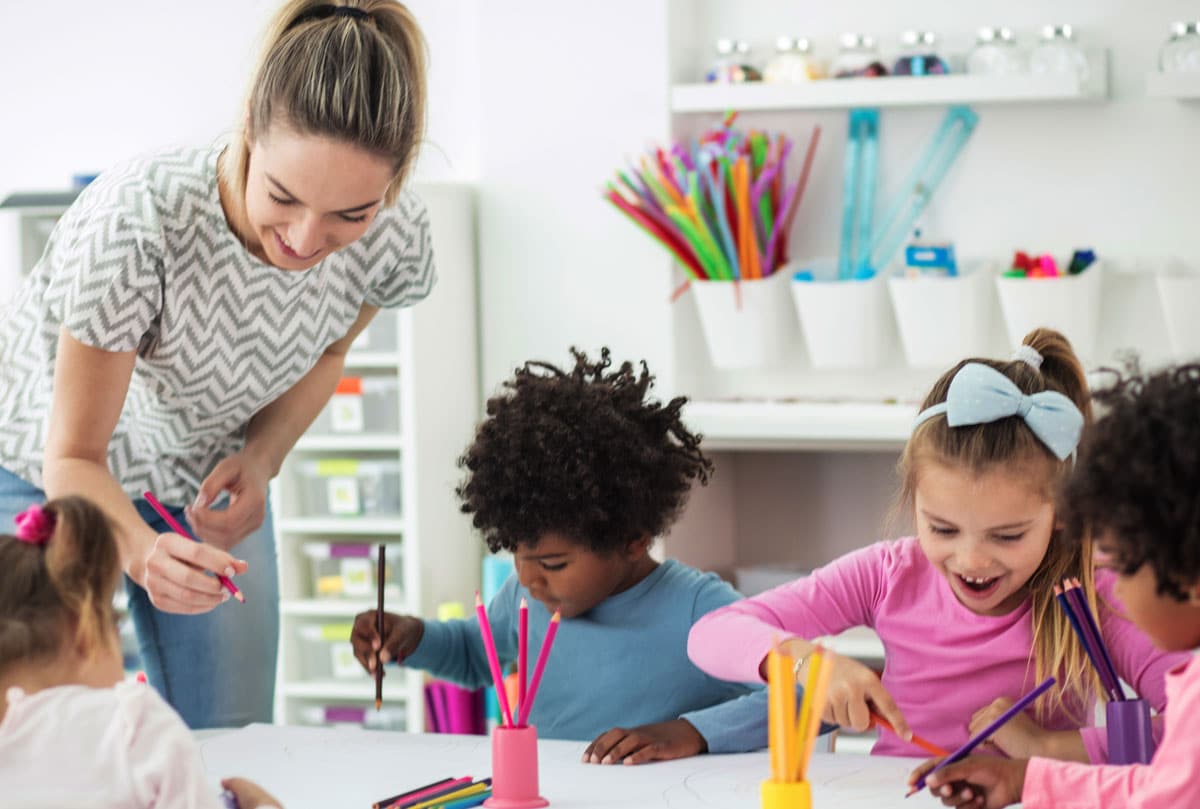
(983, 735)
(1108, 670)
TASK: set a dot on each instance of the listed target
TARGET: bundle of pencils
(721, 205)
(527, 694)
(448, 793)
(792, 736)
(1073, 600)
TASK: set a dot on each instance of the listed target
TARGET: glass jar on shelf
(1181, 53)
(793, 62)
(858, 56)
(918, 56)
(996, 54)
(732, 64)
(1059, 54)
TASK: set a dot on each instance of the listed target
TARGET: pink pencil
(489, 647)
(179, 529)
(522, 652)
(543, 656)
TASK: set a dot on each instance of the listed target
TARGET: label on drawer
(356, 577)
(344, 663)
(343, 497)
(346, 413)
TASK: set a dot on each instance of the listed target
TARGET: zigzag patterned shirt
(144, 260)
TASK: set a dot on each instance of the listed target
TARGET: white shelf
(801, 425)
(346, 690)
(350, 442)
(893, 91)
(371, 360)
(860, 643)
(327, 607)
(1180, 86)
(356, 526)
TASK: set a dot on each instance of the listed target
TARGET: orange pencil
(924, 744)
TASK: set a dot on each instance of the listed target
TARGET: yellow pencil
(818, 708)
(465, 792)
(806, 705)
(778, 676)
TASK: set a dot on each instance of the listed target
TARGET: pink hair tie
(34, 525)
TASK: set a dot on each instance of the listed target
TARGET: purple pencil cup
(1130, 739)
(515, 769)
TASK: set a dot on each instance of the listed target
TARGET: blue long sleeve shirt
(622, 664)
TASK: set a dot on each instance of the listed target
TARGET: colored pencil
(539, 668)
(779, 735)
(1074, 601)
(394, 798)
(522, 651)
(1101, 645)
(816, 709)
(183, 532)
(465, 803)
(489, 647)
(983, 735)
(924, 744)
(379, 629)
(450, 793)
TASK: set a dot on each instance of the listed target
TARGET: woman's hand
(245, 478)
(662, 741)
(174, 574)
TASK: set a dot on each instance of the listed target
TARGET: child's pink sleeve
(163, 758)
(731, 642)
(1137, 660)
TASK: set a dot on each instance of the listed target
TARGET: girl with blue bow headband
(965, 609)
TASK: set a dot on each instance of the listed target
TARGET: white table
(350, 768)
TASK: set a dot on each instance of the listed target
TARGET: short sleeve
(107, 253)
(164, 760)
(402, 249)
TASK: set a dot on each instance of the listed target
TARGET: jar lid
(912, 38)
(742, 47)
(724, 46)
(1051, 32)
(857, 41)
(995, 34)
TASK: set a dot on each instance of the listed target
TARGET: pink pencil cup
(1130, 739)
(515, 769)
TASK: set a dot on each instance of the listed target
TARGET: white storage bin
(349, 569)
(348, 487)
(1067, 303)
(1180, 296)
(361, 404)
(943, 319)
(390, 717)
(845, 323)
(747, 324)
(326, 653)
(380, 335)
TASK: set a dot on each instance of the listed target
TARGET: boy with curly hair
(1136, 489)
(576, 472)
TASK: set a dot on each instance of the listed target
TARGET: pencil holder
(942, 319)
(746, 324)
(1069, 304)
(515, 769)
(847, 323)
(1130, 739)
(786, 795)
(1180, 297)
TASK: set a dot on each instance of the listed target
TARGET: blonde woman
(190, 318)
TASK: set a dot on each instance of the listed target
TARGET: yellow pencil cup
(786, 795)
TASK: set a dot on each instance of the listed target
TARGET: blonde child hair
(1010, 444)
(353, 71)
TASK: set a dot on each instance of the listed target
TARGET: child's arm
(449, 650)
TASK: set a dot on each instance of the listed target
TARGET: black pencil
(379, 630)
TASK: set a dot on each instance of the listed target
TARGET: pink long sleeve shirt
(942, 661)
(1170, 781)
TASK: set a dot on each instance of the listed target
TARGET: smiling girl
(965, 609)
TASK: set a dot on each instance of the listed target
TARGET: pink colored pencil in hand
(543, 656)
(489, 648)
(183, 532)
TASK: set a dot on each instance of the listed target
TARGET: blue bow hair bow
(980, 394)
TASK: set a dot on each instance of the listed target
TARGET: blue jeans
(215, 669)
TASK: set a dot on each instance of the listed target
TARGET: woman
(190, 318)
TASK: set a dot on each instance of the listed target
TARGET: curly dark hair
(581, 453)
(1138, 476)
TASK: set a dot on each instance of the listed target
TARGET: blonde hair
(354, 77)
(979, 448)
(64, 585)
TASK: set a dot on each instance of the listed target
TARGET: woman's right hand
(174, 574)
(401, 634)
(854, 692)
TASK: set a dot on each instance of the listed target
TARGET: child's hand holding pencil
(979, 782)
(401, 634)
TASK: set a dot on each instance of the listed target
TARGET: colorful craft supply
(791, 736)
(379, 575)
(539, 668)
(489, 647)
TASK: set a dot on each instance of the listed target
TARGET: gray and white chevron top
(145, 260)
